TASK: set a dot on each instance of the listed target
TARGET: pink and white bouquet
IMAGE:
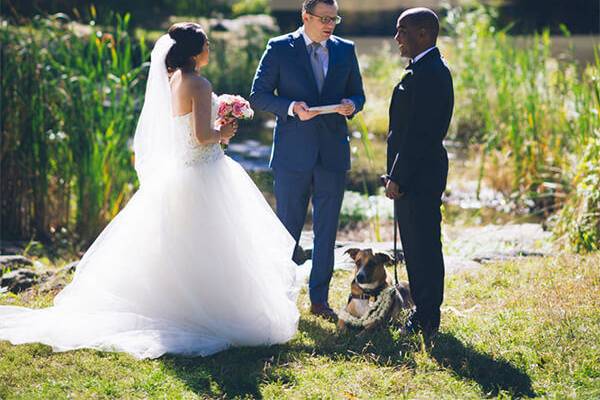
(234, 107)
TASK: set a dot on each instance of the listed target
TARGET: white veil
(155, 141)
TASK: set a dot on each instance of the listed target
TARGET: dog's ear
(383, 258)
(352, 252)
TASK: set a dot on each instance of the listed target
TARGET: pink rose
(238, 110)
(224, 110)
(231, 107)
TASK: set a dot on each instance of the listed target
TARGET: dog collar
(367, 294)
(363, 296)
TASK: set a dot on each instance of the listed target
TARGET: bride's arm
(201, 114)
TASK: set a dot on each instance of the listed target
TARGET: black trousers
(419, 220)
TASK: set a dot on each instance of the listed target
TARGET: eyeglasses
(327, 20)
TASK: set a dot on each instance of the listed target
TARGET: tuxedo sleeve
(425, 130)
(354, 87)
(266, 81)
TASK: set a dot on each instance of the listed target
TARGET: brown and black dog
(370, 279)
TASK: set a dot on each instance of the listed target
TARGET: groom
(311, 154)
(417, 163)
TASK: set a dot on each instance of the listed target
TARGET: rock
(506, 255)
(306, 240)
(19, 280)
(456, 264)
(306, 244)
(498, 242)
(464, 248)
(54, 282)
(14, 262)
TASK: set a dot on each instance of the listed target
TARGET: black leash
(383, 179)
(395, 245)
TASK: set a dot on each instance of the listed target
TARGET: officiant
(311, 153)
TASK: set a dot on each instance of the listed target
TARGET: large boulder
(13, 262)
(19, 280)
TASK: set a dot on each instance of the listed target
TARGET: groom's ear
(352, 252)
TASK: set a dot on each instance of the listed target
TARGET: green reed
(522, 104)
(70, 96)
(578, 222)
(375, 220)
(533, 119)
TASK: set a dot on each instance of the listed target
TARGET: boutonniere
(406, 73)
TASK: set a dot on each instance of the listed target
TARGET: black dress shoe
(414, 325)
(323, 311)
(299, 256)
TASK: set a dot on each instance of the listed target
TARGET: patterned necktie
(317, 65)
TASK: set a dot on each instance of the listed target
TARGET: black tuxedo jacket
(420, 113)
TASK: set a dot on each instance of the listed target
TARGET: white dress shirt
(324, 60)
(421, 55)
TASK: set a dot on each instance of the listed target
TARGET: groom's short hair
(423, 18)
(309, 5)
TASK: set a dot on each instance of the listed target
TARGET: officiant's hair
(309, 5)
(423, 18)
(189, 40)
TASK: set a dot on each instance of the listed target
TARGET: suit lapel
(302, 57)
(427, 58)
(333, 62)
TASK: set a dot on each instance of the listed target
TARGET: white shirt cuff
(291, 109)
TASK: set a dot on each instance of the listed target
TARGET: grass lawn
(529, 328)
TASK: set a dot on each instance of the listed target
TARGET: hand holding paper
(332, 108)
(345, 107)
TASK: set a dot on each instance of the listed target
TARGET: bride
(197, 261)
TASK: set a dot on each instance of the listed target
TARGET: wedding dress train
(195, 263)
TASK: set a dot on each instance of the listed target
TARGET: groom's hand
(347, 108)
(392, 190)
(301, 110)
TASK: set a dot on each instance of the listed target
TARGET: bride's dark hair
(189, 40)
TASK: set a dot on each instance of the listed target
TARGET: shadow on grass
(234, 373)
(241, 372)
(492, 375)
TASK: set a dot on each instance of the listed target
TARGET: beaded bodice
(196, 153)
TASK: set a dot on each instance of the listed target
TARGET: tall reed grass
(533, 119)
(71, 96)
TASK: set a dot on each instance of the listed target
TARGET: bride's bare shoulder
(189, 84)
(198, 83)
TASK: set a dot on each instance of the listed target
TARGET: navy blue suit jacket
(285, 75)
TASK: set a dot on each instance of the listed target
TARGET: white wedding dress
(195, 263)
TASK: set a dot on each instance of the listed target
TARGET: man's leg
(292, 191)
(419, 219)
(328, 193)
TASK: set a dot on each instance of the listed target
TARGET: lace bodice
(196, 153)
